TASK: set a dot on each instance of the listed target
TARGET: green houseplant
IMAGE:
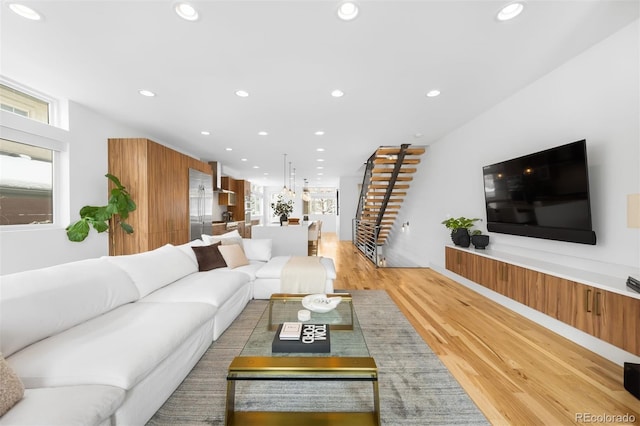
(282, 208)
(460, 229)
(119, 206)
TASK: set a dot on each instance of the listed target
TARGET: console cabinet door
(460, 262)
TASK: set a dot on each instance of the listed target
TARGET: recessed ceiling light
(186, 11)
(320, 149)
(205, 133)
(319, 133)
(25, 12)
(242, 93)
(347, 11)
(417, 135)
(228, 149)
(337, 93)
(263, 133)
(243, 159)
(510, 11)
(320, 174)
(319, 167)
(433, 93)
(320, 160)
(256, 167)
(147, 93)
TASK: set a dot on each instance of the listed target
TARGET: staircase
(386, 181)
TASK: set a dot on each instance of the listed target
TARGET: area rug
(415, 387)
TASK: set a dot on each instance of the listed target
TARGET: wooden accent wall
(158, 179)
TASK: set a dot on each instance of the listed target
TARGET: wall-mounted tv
(541, 195)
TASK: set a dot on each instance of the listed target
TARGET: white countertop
(594, 279)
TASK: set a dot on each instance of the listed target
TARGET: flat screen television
(541, 195)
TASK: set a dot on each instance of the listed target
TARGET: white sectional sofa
(106, 341)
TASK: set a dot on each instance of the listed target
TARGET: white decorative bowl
(320, 302)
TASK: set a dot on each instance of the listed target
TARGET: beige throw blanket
(303, 274)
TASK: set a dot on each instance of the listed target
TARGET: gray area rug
(415, 387)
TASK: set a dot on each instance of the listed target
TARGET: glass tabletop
(346, 338)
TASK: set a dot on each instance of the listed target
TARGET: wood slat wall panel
(158, 179)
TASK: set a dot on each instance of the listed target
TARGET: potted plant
(282, 208)
(120, 205)
(460, 227)
(479, 240)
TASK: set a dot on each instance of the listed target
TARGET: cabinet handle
(598, 304)
(587, 299)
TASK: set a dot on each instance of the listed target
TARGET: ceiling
(289, 56)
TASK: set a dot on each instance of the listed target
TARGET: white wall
(86, 142)
(594, 96)
(348, 198)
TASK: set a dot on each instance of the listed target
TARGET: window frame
(30, 132)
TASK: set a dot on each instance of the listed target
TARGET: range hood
(216, 168)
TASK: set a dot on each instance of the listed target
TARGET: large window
(30, 159)
(26, 184)
(322, 201)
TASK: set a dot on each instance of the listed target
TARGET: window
(21, 103)
(26, 184)
(256, 200)
(323, 201)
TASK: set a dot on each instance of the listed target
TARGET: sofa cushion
(233, 256)
(273, 268)
(65, 406)
(186, 249)
(11, 388)
(43, 302)
(209, 257)
(214, 287)
(119, 348)
(229, 238)
(250, 270)
(154, 269)
(257, 249)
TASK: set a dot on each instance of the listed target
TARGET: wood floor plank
(516, 371)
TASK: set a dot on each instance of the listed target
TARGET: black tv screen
(541, 195)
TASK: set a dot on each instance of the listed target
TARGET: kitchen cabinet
(158, 179)
(227, 197)
(242, 189)
(607, 315)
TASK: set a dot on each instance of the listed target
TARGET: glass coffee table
(348, 360)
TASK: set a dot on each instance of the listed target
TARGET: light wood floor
(517, 372)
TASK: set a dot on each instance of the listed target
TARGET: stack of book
(298, 337)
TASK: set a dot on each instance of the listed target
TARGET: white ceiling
(289, 55)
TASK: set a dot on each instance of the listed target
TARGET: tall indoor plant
(119, 206)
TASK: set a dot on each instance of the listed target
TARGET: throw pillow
(209, 257)
(257, 249)
(233, 255)
(229, 238)
(11, 388)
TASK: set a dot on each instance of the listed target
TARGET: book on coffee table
(290, 331)
(314, 338)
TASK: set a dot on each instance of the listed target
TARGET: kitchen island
(289, 240)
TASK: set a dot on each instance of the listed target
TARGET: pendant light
(284, 176)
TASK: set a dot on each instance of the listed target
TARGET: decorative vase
(480, 241)
(460, 237)
(283, 218)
